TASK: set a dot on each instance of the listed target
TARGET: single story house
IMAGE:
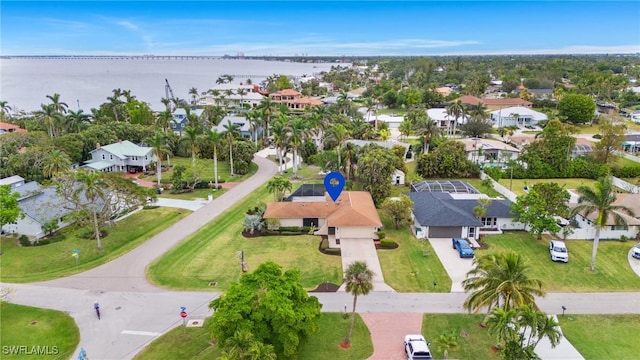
(493, 103)
(489, 151)
(392, 120)
(585, 224)
(516, 116)
(442, 118)
(308, 192)
(446, 215)
(631, 143)
(352, 216)
(120, 157)
(40, 206)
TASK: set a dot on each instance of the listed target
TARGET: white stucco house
(516, 116)
(444, 121)
(585, 224)
(123, 156)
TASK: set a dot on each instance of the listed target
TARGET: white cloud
(127, 24)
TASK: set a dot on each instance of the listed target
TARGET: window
(110, 157)
(337, 241)
(103, 157)
(619, 227)
(489, 222)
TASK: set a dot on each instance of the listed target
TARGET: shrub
(597, 136)
(24, 240)
(388, 244)
(149, 207)
(324, 248)
(623, 238)
(381, 235)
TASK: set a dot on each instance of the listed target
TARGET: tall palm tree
(600, 201)
(339, 134)
(160, 149)
(297, 135)
(167, 103)
(359, 281)
(343, 102)
(57, 162)
(351, 157)
(456, 110)
(231, 131)
(217, 139)
(191, 138)
(255, 118)
(268, 108)
(92, 185)
(242, 92)
(163, 120)
(58, 105)
(49, 117)
(279, 130)
(500, 280)
(194, 95)
(428, 129)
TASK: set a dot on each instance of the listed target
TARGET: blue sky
(318, 28)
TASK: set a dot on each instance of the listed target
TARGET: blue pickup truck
(463, 247)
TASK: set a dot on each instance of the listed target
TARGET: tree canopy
(9, 208)
(270, 304)
(448, 160)
(577, 108)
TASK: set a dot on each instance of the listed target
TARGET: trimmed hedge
(324, 248)
(388, 244)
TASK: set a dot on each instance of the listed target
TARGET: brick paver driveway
(388, 331)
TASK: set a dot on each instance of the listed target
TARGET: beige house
(294, 100)
(352, 216)
(482, 151)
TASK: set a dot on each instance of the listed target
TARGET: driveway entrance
(363, 250)
(456, 267)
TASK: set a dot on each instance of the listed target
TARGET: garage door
(444, 232)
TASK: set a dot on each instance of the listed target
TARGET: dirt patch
(247, 234)
(326, 287)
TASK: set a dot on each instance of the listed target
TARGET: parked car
(463, 247)
(635, 252)
(558, 251)
(417, 348)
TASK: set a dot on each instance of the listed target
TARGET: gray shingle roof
(48, 205)
(441, 209)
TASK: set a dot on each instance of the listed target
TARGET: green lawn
(612, 268)
(614, 339)
(53, 331)
(407, 269)
(624, 162)
(474, 342)
(195, 194)
(204, 168)
(518, 184)
(209, 255)
(194, 343)
(39, 263)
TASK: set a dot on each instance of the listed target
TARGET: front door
(472, 232)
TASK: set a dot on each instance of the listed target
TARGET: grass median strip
(39, 263)
(210, 255)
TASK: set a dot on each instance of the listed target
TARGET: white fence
(626, 186)
(500, 188)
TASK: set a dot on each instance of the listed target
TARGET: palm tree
(92, 185)
(255, 118)
(191, 137)
(76, 120)
(58, 106)
(600, 201)
(159, 148)
(279, 128)
(277, 185)
(339, 134)
(455, 109)
(268, 107)
(5, 109)
(163, 120)
(297, 135)
(194, 95)
(343, 102)
(50, 117)
(359, 281)
(216, 138)
(500, 280)
(231, 130)
(242, 92)
(57, 162)
(167, 103)
(428, 129)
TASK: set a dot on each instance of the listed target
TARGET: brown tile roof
(631, 201)
(506, 102)
(288, 92)
(470, 100)
(353, 208)
(308, 101)
(11, 127)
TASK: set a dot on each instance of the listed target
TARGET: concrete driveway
(456, 267)
(363, 250)
(192, 205)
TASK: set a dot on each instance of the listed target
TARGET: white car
(558, 251)
(635, 252)
(417, 348)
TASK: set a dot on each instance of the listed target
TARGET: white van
(558, 251)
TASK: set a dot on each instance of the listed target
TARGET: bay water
(86, 83)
